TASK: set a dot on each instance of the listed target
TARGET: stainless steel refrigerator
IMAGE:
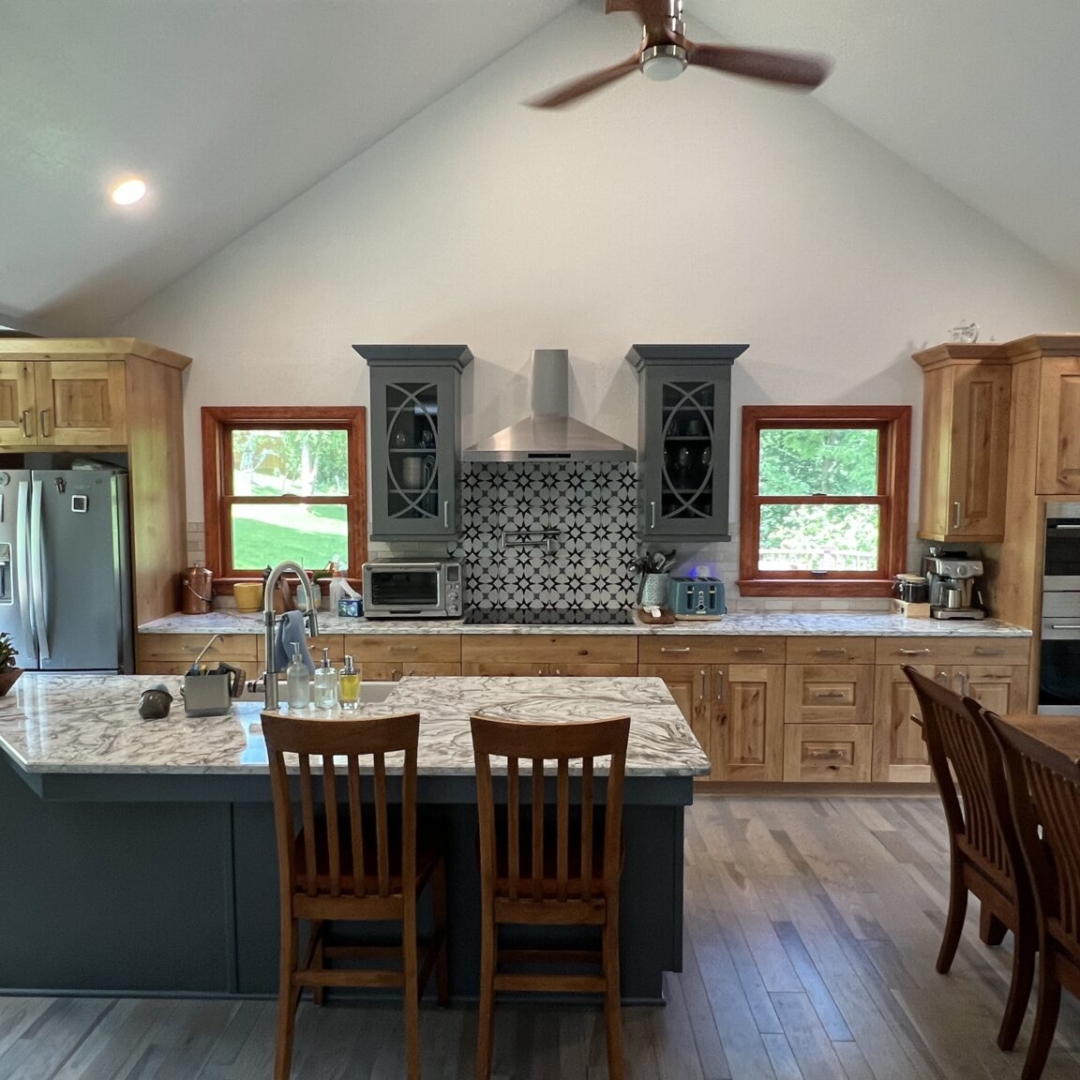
(65, 580)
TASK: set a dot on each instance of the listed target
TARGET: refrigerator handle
(37, 571)
(22, 566)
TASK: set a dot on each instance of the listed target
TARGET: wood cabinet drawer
(154, 648)
(549, 648)
(828, 753)
(953, 650)
(687, 649)
(383, 671)
(396, 648)
(830, 650)
(829, 694)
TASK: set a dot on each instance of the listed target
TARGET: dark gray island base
(139, 855)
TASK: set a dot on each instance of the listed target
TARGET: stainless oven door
(1061, 566)
(1059, 654)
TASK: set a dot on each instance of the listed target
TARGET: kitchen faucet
(270, 675)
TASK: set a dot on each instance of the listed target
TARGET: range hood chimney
(549, 434)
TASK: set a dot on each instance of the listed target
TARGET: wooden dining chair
(364, 860)
(1044, 786)
(984, 850)
(550, 859)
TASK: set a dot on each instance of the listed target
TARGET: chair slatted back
(373, 848)
(1045, 789)
(538, 743)
(957, 735)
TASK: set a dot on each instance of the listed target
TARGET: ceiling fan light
(663, 62)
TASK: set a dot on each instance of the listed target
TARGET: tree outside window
(824, 499)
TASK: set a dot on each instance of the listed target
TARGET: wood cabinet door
(747, 722)
(81, 402)
(1001, 688)
(965, 452)
(899, 750)
(18, 418)
(1058, 470)
(689, 686)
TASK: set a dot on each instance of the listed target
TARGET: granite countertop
(90, 724)
(855, 624)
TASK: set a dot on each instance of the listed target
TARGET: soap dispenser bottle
(326, 684)
(297, 680)
(349, 685)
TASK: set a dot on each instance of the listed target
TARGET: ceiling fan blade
(622, 5)
(577, 88)
(802, 70)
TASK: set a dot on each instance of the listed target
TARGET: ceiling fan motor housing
(662, 62)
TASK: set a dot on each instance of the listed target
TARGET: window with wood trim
(283, 482)
(824, 499)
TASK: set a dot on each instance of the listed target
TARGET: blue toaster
(696, 597)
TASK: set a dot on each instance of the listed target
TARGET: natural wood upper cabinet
(1058, 470)
(965, 443)
(71, 403)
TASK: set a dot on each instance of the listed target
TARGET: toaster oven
(412, 590)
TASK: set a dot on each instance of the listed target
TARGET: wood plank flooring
(812, 925)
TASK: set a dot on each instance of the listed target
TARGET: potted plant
(9, 673)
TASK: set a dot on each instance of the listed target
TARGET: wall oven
(1059, 630)
(412, 590)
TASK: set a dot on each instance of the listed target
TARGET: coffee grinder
(952, 579)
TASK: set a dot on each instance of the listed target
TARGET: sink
(370, 691)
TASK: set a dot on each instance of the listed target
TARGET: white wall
(703, 210)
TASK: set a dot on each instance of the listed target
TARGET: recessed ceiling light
(130, 191)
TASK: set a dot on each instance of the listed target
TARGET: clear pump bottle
(326, 684)
(297, 680)
(349, 685)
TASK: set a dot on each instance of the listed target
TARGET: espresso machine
(952, 581)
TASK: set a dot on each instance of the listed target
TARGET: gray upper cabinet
(415, 439)
(684, 440)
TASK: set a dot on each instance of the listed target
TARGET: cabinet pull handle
(828, 695)
(831, 652)
(446, 513)
(912, 652)
(702, 673)
(666, 649)
(956, 515)
(962, 676)
(397, 650)
(755, 648)
(988, 652)
(558, 671)
(823, 754)
(652, 506)
(1065, 626)
(44, 423)
(25, 427)
(719, 675)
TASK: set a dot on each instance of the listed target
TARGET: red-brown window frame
(218, 421)
(893, 423)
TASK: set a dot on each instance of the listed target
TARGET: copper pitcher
(197, 590)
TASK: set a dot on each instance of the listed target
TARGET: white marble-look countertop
(90, 723)
(855, 624)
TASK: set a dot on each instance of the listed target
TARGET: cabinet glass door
(413, 466)
(688, 436)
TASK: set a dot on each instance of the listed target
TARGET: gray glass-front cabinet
(415, 439)
(684, 440)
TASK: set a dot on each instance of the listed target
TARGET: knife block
(207, 695)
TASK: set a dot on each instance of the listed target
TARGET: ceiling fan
(665, 51)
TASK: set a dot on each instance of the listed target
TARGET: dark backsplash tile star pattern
(592, 507)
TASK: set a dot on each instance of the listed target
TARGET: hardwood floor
(812, 925)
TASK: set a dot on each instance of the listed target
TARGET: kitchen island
(139, 854)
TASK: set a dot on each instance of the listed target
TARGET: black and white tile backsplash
(589, 506)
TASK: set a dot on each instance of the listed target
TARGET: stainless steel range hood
(549, 434)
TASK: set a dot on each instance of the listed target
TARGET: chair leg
(1023, 974)
(485, 1037)
(954, 923)
(991, 928)
(613, 1001)
(410, 964)
(288, 996)
(438, 903)
(1048, 1002)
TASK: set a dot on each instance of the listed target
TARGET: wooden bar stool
(1044, 786)
(537, 870)
(364, 862)
(984, 850)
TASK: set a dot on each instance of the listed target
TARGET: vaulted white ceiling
(230, 108)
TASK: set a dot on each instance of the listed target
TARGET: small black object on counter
(156, 703)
